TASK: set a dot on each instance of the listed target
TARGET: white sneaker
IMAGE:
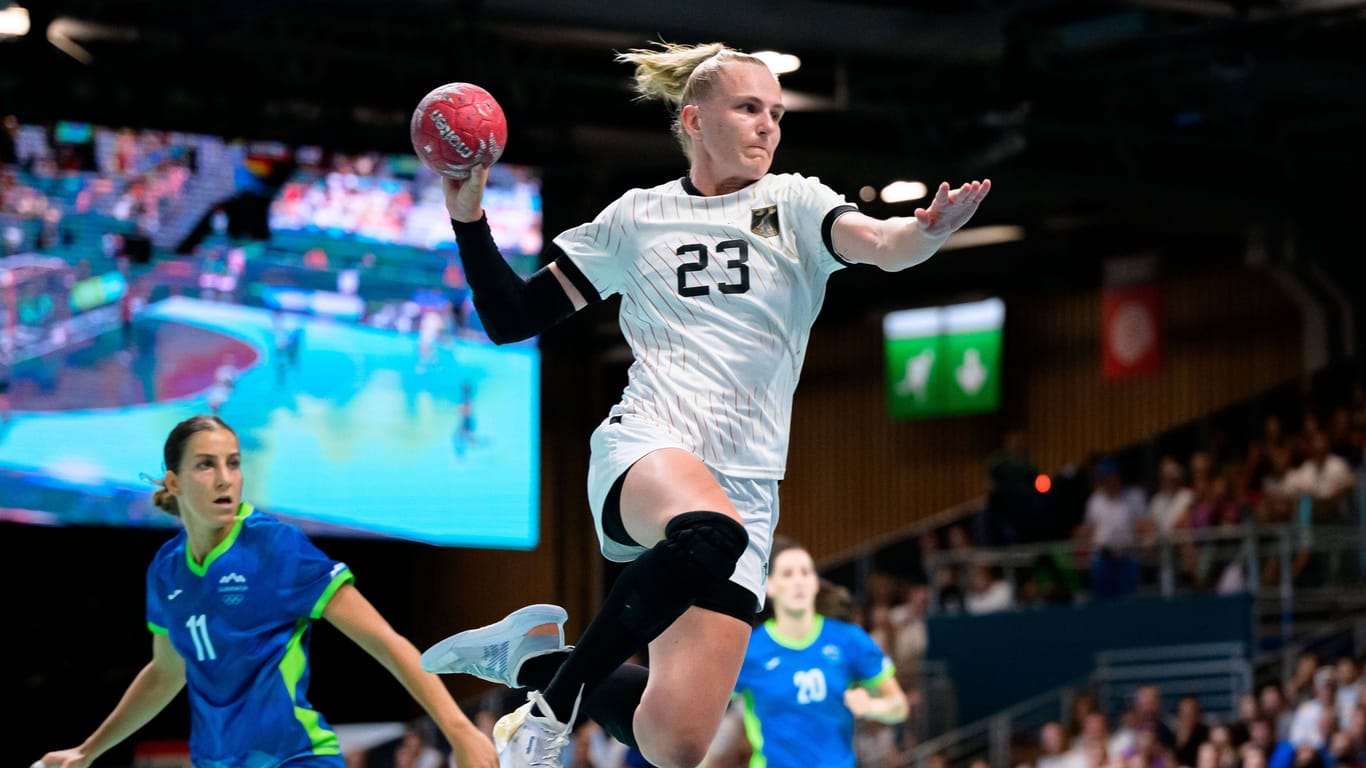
(525, 740)
(496, 652)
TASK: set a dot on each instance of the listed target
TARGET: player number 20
(737, 253)
(810, 685)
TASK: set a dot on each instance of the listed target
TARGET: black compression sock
(536, 673)
(613, 703)
(699, 550)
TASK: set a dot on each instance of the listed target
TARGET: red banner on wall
(1131, 331)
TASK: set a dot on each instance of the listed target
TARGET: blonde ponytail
(680, 74)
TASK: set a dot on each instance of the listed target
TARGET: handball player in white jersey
(721, 274)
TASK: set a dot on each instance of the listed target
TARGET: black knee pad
(708, 542)
(730, 599)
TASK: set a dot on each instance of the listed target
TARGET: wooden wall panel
(855, 475)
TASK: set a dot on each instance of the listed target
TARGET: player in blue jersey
(230, 603)
(806, 677)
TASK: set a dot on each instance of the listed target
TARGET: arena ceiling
(1105, 125)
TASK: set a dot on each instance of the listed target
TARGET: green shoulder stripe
(345, 577)
(888, 670)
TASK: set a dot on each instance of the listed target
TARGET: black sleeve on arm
(828, 231)
(511, 308)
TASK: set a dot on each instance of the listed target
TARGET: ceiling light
(13, 22)
(903, 191)
(780, 63)
(867, 194)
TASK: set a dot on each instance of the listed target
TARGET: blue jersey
(793, 689)
(241, 621)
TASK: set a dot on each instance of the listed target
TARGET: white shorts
(616, 446)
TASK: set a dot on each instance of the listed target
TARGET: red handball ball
(456, 127)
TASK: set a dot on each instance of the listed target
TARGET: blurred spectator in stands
(1115, 517)
(958, 539)
(1308, 725)
(1012, 503)
(834, 600)
(1224, 746)
(1072, 486)
(1358, 420)
(908, 652)
(1147, 750)
(1324, 478)
(1202, 471)
(418, 748)
(1257, 462)
(1300, 687)
(1261, 734)
(1149, 712)
(1216, 509)
(1340, 441)
(1240, 726)
(1027, 593)
(1082, 707)
(1191, 730)
(1348, 677)
(1056, 577)
(595, 748)
(874, 743)
(883, 589)
(1340, 752)
(917, 571)
(1250, 756)
(1275, 709)
(1171, 503)
(881, 628)
(949, 579)
(1207, 756)
(1356, 739)
(1054, 751)
(1277, 506)
(1123, 737)
(987, 592)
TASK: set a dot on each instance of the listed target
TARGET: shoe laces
(549, 757)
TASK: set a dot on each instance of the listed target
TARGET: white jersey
(718, 297)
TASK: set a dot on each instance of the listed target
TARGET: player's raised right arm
(149, 693)
(511, 308)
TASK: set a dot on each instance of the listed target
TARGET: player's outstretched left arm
(349, 611)
(897, 243)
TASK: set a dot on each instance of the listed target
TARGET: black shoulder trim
(828, 226)
(575, 275)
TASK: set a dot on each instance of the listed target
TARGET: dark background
(1214, 132)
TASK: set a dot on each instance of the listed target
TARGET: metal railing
(1216, 674)
(1220, 670)
(992, 738)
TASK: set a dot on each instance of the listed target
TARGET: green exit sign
(944, 361)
